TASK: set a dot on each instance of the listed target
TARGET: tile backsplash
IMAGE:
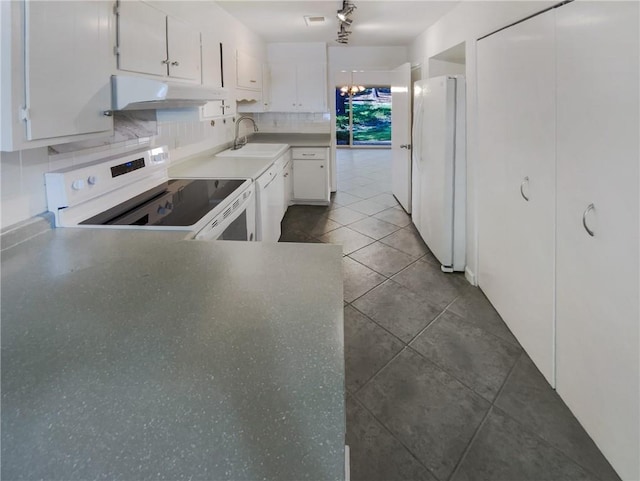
(22, 189)
(307, 123)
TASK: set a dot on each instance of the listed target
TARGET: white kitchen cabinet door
(284, 97)
(142, 38)
(598, 327)
(310, 180)
(288, 184)
(211, 61)
(67, 73)
(311, 87)
(271, 209)
(279, 205)
(229, 77)
(249, 71)
(298, 87)
(516, 189)
(211, 74)
(183, 50)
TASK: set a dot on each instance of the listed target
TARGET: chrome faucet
(237, 142)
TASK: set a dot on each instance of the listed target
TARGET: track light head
(343, 15)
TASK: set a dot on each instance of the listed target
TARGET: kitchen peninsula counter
(130, 354)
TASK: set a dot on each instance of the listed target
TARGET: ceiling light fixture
(345, 21)
(351, 90)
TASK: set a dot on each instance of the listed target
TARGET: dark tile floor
(437, 386)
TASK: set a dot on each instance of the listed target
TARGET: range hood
(139, 93)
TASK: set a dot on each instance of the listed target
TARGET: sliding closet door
(598, 316)
(516, 185)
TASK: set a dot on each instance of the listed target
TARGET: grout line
(475, 434)
(361, 404)
(468, 447)
(381, 327)
(432, 320)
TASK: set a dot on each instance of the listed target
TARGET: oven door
(236, 222)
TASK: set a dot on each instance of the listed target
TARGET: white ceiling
(375, 22)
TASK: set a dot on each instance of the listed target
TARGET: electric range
(134, 191)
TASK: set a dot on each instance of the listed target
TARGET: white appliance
(439, 168)
(140, 93)
(134, 191)
(271, 208)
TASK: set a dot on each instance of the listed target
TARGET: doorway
(363, 117)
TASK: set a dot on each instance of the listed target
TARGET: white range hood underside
(139, 93)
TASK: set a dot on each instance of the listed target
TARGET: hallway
(437, 386)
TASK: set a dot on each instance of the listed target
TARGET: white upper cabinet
(183, 50)
(153, 43)
(212, 74)
(211, 61)
(56, 76)
(249, 71)
(284, 96)
(142, 38)
(298, 87)
(312, 87)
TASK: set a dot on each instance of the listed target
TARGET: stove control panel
(82, 183)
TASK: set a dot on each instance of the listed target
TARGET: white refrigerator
(439, 168)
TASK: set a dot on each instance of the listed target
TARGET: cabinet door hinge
(115, 9)
(116, 50)
(24, 113)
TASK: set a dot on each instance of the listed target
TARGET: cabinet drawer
(309, 154)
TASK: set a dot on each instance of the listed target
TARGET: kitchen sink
(255, 150)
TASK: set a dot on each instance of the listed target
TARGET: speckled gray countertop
(139, 355)
(293, 139)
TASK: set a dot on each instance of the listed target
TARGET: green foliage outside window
(371, 117)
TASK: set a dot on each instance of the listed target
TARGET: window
(364, 118)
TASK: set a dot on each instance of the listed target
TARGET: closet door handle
(589, 208)
(525, 181)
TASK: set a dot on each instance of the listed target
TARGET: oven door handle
(217, 225)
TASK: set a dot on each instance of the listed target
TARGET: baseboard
(470, 276)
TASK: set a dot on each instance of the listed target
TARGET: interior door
(401, 135)
(598, 328)
(416, 152)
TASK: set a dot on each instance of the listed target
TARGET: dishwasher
(270, 189)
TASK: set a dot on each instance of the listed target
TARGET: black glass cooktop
(178, 202)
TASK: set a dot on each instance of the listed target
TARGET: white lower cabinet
(310, 175)
(288, 183)
(597, 285)
(559, 207)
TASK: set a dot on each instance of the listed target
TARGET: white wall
(22, 191)
(466, 23)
